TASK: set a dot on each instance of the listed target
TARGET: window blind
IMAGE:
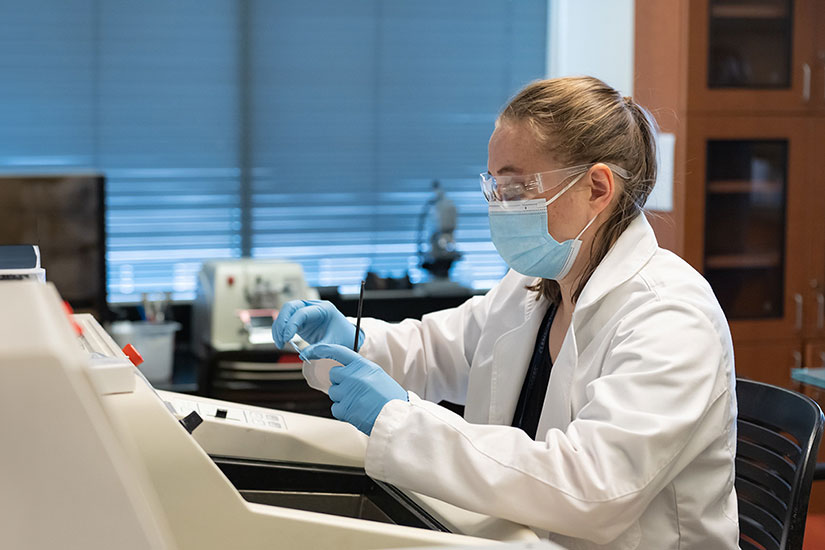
(309, 131)
(168, 141)
(47, 63)
(147, 93)
(359, 106)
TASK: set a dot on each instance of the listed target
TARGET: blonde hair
(582, 120)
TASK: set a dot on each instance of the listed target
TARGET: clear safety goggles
(506, 190)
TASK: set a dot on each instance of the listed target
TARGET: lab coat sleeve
(432, 357)
(658, 403)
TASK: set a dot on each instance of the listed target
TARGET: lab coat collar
(631, 251)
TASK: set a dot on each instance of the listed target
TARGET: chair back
(778, 434)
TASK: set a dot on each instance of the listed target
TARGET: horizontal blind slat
(383, 102)
(348, 128)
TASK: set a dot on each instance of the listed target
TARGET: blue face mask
(519, 232)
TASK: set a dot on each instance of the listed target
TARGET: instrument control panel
(258, 419)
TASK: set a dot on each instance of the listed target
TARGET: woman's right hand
(316, 321)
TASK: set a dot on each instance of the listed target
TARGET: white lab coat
(636, 441)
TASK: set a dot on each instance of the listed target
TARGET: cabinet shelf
(748, 11)
(745, 186)
(743, 261)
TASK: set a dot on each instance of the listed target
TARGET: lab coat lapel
(511, 357)
(556, 411)
(632, 251)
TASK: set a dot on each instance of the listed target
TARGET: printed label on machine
(234, 414)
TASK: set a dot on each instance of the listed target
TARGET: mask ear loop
(579, 236)
(566, 187)
(560, 193)
(571, 257)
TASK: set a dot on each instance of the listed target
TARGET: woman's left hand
(360, 388)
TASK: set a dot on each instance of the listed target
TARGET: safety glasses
(507, 190)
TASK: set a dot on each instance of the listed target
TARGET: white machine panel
(99, 464)
(233, 414)
(67, 481)
(110, 369)
(293, 437)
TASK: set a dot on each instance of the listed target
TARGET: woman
(597, 375)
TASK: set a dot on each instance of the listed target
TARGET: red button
(230, 280)
(132, 354)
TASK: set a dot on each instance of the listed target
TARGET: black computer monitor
(65, 216)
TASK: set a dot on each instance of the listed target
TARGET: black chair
(778, 434)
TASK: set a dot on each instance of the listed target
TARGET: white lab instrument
(237, 301)
(100, 460)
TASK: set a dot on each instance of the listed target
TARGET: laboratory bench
(395, 305)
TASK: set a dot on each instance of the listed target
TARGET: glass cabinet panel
(745, 206)
(750, 44)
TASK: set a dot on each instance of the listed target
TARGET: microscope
(439, 258)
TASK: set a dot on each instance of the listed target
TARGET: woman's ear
(602, 187)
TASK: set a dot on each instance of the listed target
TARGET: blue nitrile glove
(360, 388)
(316, 321)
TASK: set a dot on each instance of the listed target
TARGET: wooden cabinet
(815, 230)
(745, 203)
(818, 62)
(753, 55)
(742, 85)
(770, 361)
(814, 354)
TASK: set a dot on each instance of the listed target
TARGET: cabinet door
(750, 55)
(818, 70)
(814, 354)
(769, 362)
(744, 219)
(815, 233)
